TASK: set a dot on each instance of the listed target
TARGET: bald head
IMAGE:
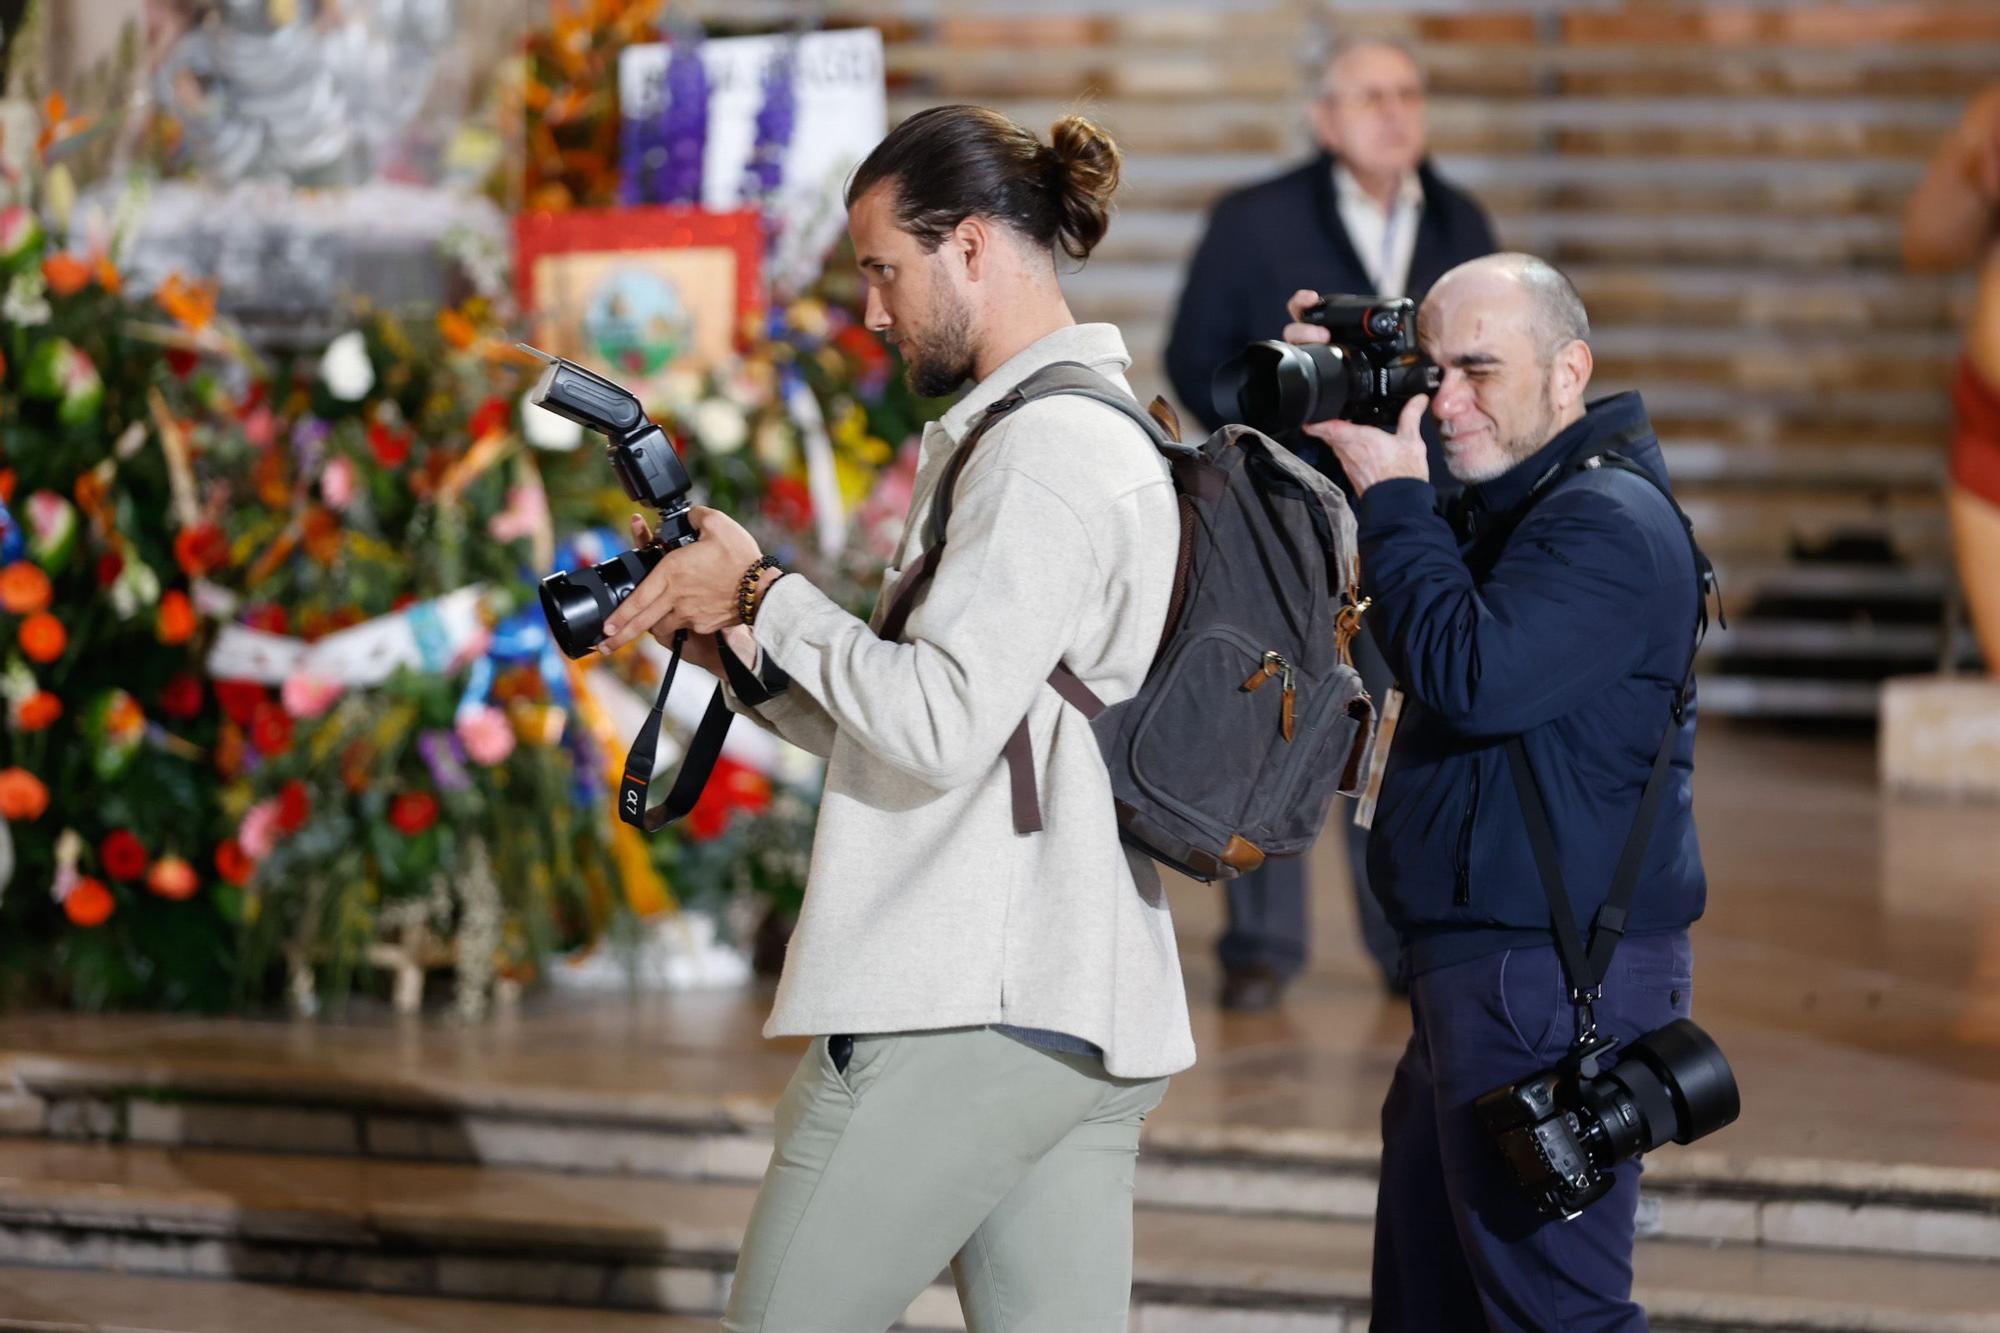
(1549, 303)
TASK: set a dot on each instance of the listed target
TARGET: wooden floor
(1849, 965)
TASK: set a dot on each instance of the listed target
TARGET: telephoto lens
(1564, 1133)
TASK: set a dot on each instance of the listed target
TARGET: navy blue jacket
(1573, 631)
(1267, 240)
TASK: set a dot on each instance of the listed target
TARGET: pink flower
(336, 483)
(258, 833)
(308, 696)
(486, 734)
(260, 427)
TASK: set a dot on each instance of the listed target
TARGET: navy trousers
(1267, 907)
(1457, 1244)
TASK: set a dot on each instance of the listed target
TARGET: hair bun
(1089, 163)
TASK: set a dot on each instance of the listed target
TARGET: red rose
(413, 811)
(495, 414)
(293, 807)
(123, 855)
(233, 863)
(270, 618)
(109, 566)
(200, 549)
(240, 699)
(181, 696)
(390, 449)
(270, 729)
(789, 503)
(182, 362)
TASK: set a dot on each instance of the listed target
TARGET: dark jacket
(1573, 631)
(1266, 241)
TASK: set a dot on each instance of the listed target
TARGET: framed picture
(628, 291)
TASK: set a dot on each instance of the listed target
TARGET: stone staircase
(558, 1199)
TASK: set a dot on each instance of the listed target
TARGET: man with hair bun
(992, 1013)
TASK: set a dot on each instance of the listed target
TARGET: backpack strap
(1586, 963)
(1061, 377)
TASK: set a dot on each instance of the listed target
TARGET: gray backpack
(1252, 715)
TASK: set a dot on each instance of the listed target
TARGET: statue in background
(315, 91)
(1952, 223)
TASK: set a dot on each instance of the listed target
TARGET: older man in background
(1368, 213)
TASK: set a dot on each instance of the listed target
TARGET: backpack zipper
(1275, 665)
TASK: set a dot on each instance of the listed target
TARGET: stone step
(241, 1105)
(492, 1233)
(55, 1300)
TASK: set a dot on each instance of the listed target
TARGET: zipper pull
(1273, 663)
(1291, 695)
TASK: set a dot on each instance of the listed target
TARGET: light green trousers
(963, 1147)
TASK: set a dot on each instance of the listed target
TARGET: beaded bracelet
(746, 590)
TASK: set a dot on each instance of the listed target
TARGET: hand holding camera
(1366, 454)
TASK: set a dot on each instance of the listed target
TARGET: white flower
(545, 430)
(720, 426)
(27, 302)
(679, 390)
(137, 588)
(345, 368)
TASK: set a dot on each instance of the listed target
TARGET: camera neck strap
(696, 764)
(1586, 962)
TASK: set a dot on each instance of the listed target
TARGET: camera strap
(1585, 964)
(696, 764)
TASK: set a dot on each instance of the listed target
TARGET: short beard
(942, 359)
(1517, 450)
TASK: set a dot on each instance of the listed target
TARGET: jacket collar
(1099, 346)
(1617, 422)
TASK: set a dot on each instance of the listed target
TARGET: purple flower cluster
(683, 122)
(660, 155)
(776, 119)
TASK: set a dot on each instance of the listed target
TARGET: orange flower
(459, 331)
(176, 618)
(43, 637)
(66, 274)
(23, 797)
(89, 903)
(200, 549)
(24, 589)
(173, 879)
(322, 535)
(37, 711)
(190, 304)
(107, 275)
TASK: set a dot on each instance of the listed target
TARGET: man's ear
(1573, 365)
(972, 240)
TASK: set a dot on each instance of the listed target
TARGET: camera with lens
(1369, 369)
(578, 601)
(1564, 1129)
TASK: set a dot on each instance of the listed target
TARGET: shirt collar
(1099, 346)
(1348, 188)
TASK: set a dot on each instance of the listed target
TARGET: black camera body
(578, 601)
(1564, 1130)
(1369, 369)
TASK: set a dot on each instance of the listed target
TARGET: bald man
(1368, 213)
(1544, 637)
(1952, 223)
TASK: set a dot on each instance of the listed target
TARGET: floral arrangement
(116, 887)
